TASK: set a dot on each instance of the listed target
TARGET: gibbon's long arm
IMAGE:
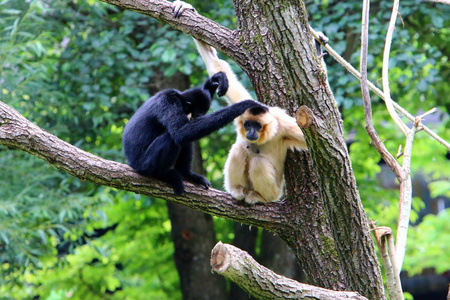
(205, 125)
(236, 91)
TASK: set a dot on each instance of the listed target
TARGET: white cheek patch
(189, 117)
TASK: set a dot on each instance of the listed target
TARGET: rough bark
(290, 75)
(263, 283)
(244, 238)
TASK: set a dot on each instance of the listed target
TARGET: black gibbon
(158, 138)
(254, 169)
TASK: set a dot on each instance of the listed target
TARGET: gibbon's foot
(198, 179)
(322, 37)
(179, 6)
(253, 197)
(238, 192)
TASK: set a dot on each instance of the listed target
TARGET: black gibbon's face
(196, 104)
(200, 108)
(252, 130)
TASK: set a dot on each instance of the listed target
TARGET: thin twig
(392, 276)
(383, 236)
(388, 158)
(406, 193)
(376, 90)
(387, 49)
(404, 200)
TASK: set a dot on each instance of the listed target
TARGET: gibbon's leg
(184, 165)
(158, 159)
(235, 174)
(159, 156)
(253, 197)
(262, 174)
(236, 91)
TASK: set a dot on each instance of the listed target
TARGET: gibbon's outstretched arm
(157, 140)
(214, 64)
(205, 125)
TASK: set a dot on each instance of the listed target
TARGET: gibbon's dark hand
(222, 81)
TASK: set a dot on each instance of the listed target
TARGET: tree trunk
(278, 257)
(244, 238)
(193, 236)
(285, 71)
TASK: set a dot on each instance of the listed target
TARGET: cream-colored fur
(214, 64)
(254, 170)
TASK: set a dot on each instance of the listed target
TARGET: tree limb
(387, 49)
(263, 283)
(385, 243)
(190, 22)
(17, 132)
(376, 90)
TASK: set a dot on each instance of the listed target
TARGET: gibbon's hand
(179, 6)
(222, 81)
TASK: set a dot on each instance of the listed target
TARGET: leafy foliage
(80, 68)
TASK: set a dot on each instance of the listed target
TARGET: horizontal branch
(17, 132)
(190, 22)
(263, 283)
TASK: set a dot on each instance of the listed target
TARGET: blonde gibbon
(254, 169)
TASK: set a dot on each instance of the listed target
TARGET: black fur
(158, 138)
(258, 110)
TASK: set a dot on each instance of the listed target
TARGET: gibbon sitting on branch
(254, 169)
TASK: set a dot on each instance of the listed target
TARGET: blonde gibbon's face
(257, 126)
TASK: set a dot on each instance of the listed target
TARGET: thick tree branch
(17, 132)
(190, 22)
(263, 283)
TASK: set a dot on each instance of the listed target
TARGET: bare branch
(263, 283)
(376, 90)
(190, 22)
(385, 76)
(17, 132)
(406, 193)
(387, 157)
(385, 243)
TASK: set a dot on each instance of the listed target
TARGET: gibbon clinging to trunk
(254, 169)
